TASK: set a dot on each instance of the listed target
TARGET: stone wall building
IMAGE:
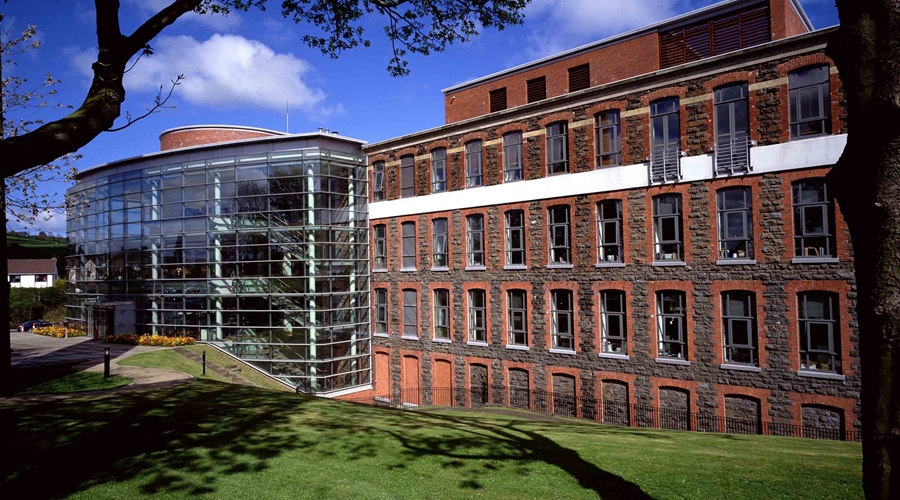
(640, 221)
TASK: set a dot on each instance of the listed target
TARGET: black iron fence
(592, 409)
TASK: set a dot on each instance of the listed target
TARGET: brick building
(639, 222)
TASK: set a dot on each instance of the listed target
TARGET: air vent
(579, 77)
(727, 33)
(537, 89)
(498, 100)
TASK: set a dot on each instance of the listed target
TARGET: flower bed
(150, 340)
(57, 331)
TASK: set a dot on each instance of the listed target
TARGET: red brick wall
(785, 20)
(199, 137)
(615, 62)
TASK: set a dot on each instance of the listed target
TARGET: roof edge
(245, 128)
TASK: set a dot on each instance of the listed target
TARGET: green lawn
(170, 360)
(79, 382)
(231, 441)
(213, 355)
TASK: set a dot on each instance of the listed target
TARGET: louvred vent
(498, 100)
(579, 77)
(727, 33)
(537, 89)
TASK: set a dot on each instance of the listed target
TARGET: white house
(31, 273)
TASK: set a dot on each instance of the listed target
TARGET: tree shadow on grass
(185, 440)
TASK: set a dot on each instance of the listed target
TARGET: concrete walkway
(32, 353)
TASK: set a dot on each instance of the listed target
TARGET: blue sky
(242, 69)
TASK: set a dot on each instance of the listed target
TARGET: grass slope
(170, 360)
(79, 382)
(213, 355)
(229, 441)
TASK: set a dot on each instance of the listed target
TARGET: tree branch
(158, 102)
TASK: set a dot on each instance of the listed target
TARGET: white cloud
(85, 13)
(224, 71)
(564, 25)
(216, 22)
(47, 221)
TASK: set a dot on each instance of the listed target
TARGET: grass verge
(170, 360)
(79, 382)
(249, 374)
(230, 441)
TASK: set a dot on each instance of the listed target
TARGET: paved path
(32, 352)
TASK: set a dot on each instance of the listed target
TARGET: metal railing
(665, 165)
(732, 156)
(591, 409)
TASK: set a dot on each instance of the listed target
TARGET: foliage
(149, 340)
(79, 382)
(32, 303)
(59, 331)
(223, 441)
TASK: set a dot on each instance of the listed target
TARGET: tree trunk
(866, 183)
(5, 346)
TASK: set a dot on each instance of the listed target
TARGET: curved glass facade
(264, 255)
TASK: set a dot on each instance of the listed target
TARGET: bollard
(204, 363)
(106, 363)
(66, 324)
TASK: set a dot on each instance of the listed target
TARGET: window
(380, 247)
(408, 249)
(410, 314)
(579, 77)
(518, 317)
(665, 141)
(438, 170)
(735, 223)
(407, 177)
(609, 149)
(609, 231)
(512, 157)
(40, 278)
(498, 100)
(739, 326)
(813, 219)
(474, 173)
(381, 315)
(442, 314)
(559, 235)
(732, 129)
(612, 321)
(670, 314)
(557, 148)
(667, 235)
(439, 243)
(537, 89)
(515, 238)
(810, 102)
(561, 319)
(475, 240)
(819, 339)
(477, 316)
(15, 278)
(378, 178)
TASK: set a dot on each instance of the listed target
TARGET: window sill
(736, 262)
(380, 270)
(612, 355)
(515, 268)
(476, 268)
(673, 361)
(669, 263)
(383, 335)
(515, 347)
(601, 265)
(562, 351)
(408, 337)
(740, 368)
(440, 341)
(475, 343)
(822, 375)
(559, 266)
(440, 269)
(814, 260)
(408, 270)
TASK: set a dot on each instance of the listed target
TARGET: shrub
(149, 340)
(58, 331)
